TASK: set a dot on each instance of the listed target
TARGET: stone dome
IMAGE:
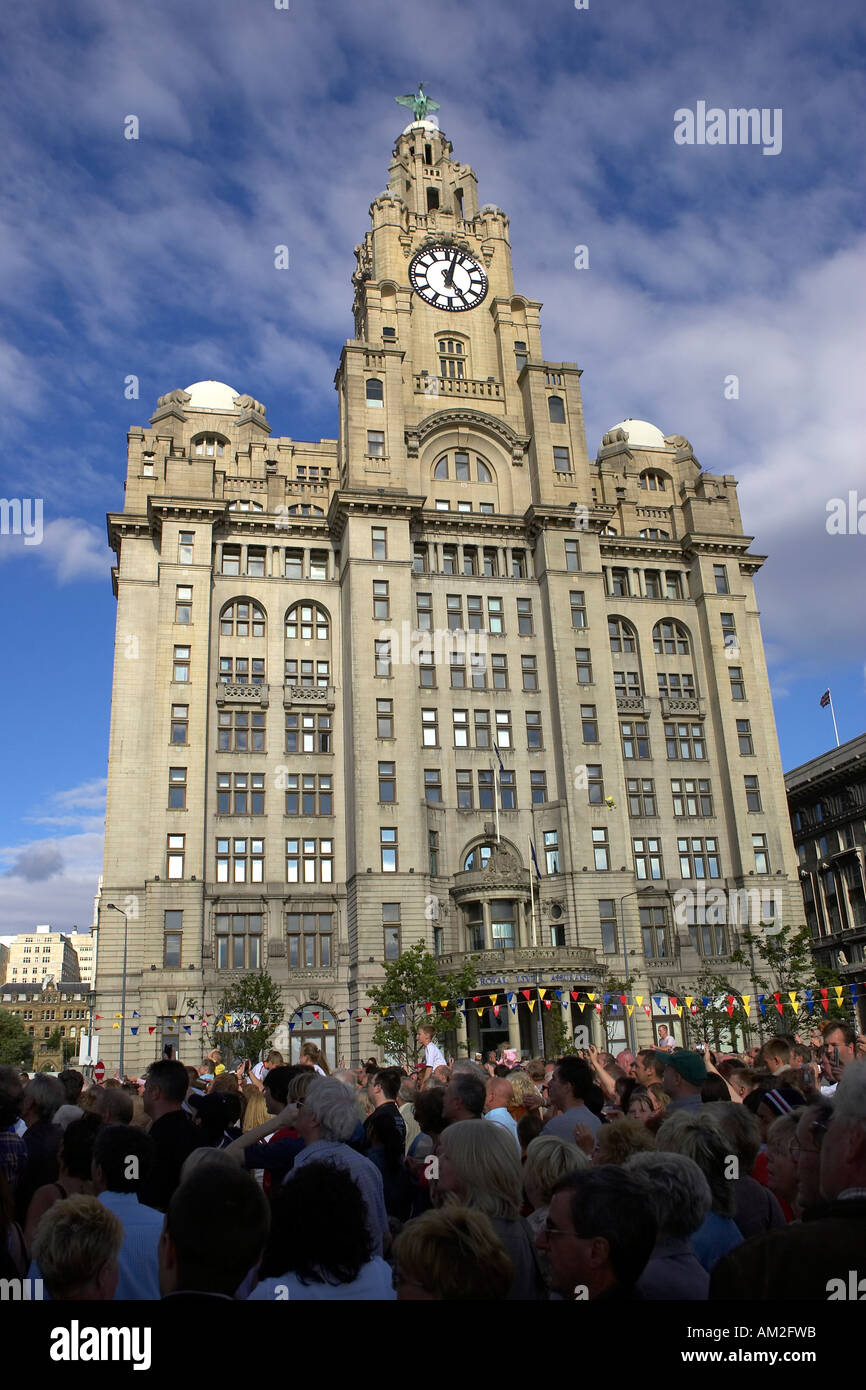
(641, 434)
(211, 395)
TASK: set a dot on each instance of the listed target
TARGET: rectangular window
(499, 670)
(698, 858)
(391, 930)
(181, 665)
(495, 615)
(486, 509)
(508, 791)
(503, 728)
(185, 542)
(561, 459)
(379, 535)
(648, 858)
(180, 723)
(482, 728)
(491, 562)
(551, 851)
(673, 584)
(419, 558)
(595, 784)
(294, 564)
(470, 559)
(457, 665)
(502, 917)
(175, 847)
(720, 578)
(685, 741)
(583, 661)
(433, 852)
(677, 685)
(432, 785)
(607, 921)
(309, 861)
(449, 559)
(318, 564)
(383, 657)
(738, 685)
(387, 782)
(572, 556)
(308, 674)
(231, 559)
(626, 684)
(524, 617)
(600, 848)
(454, 610)
(424, 609)
(376, 444)
(578, 608)
(429, 728)
(538, 787)
(653, 924)
(385, 719)
(381, 600)
(172, 938)
(529, 667)
(486, 790)
(388, 849)
(518, 564)
(240, 860)
(589, 723)
(619, 583)
(461, 728)
(426, 670)
(635, 739)
(691, 796)
(255, 562)
(475, 612)
(183, 603)
(652, 584)
(729, 634)
(753, 794)
(309, 936)
(308, 733)
(759, 845)
(464, 791)
(177, 788)
(534, 737)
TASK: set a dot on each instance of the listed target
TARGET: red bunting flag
(574, 995)
(428, 1006)
(152, 1030)
(526, 993)
(673, 1001)
(547, 1003)
(315, 1013)
(778, 1002)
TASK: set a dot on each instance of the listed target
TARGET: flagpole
(495, 799)
(833, 712)
(532, 893)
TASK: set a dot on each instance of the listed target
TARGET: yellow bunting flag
(679, 1010)
(115, 1025)
(479, 1012)
(747, 1004)
(493, 998)
(590, 997)
(541, 993)
(384, 1012)
(630, 1008)
(443, 1003)
(531, 1003)
(794, 998)
(639, 1000)
(689, 998)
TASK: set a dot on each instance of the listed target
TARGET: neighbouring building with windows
(36, 955)
(827, 802)
(54, 1015)
(356, 680)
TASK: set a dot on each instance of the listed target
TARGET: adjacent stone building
(54, 1016)
(359, 681)
(36, 955)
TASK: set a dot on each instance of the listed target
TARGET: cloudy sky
(154, 258)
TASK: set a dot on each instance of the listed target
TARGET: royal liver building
(363, 685)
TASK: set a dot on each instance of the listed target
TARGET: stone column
(462, 1036)
(514, 1025)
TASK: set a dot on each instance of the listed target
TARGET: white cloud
(71, 550)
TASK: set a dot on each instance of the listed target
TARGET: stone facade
(270, 597)
(51, 1012)
(35, 955)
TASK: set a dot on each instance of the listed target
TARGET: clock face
(447, 278)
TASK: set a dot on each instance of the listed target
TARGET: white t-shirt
(667, 1042)
(433, 1057)
(260, 1071)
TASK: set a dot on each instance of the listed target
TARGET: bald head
(500, 1093)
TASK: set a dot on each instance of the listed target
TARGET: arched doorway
(316, 1024)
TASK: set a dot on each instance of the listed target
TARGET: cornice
(456, 416)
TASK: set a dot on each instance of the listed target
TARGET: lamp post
(629, 1025)
(122, 984)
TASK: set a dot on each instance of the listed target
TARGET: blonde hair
(316, 1055)
(780, 1134)
(547, 1160)
(455, 1254)
(300, 1084)
(256, 1112)
(617, 1142)
(522, 1085)
(73, 1241)
(487, 1164)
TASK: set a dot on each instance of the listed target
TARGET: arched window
(242, 619)
(670, 639)
(556, 410)
(208, 446)
(308, 621)
(452, 357)
(484, 474)
(305, 509)
(463, 467)
(441, 469)
(622, 635)
(652, 481)
(244, 505)
(375, 391)
(478, 857)
(654, 533)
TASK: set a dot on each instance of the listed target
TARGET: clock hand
(449, 275)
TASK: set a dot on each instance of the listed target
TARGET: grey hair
(680, 1195)
(46, 1093)
(463, 1066)
(206, 1157)
(329, 1102)
(487, 1163)
(849, 1101)
(347, 1079)
(698, 1135)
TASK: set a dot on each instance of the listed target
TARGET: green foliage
(16, 1045)
(412, 982)
(784, 962)
(712, 1024)
(558, 1039)
(613, 986)
(257, 1002)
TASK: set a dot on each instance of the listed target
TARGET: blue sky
(258, 127)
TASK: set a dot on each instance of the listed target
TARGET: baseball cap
(689, 1065)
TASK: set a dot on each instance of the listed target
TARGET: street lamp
(123, 984)
(650, 888)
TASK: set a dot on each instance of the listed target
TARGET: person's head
(522, 1085)
(813, 1123)
(312, 1056)
(776, 1101)
(114, 1107)
(680, 1195)
(640, 1105)
(843, 1153)
(838, 1047)
(122, 1160)
(529, 1126)
(781, 1165)
(662, 1032)
(276, 1084)
(327, 1113)
(451, 1254)
(616, 1142)
(43, 1097)
(425, 1034)
(625, 1060)
(76, 1148)
(11, 1096)
(549, 1159)
(465, 1096)
(742, 1131)
(684, 1074)
(165, 1088)
(535, 1070)
(300, 1084)
(429, 1110)
(73, 1083)
(649, 1066)
(599, 1232)
(385, 1085)
(76, 1246)
(745, 1080)
(273, 1059)
(775, 1054)
(349, 1079)
(714, 1090)
(479, 1167)
(256, 1110)
(215, 1113)
(225, 1084)
(571, 1083)
(500, 1093)
(215, 1230)
(319, 1227)
(698, 1135)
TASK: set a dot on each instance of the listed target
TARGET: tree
(614, 1011)
(713, 1023)
(558, 1040)
(255, 1008)
(16, 1045)
(783, 963)
(410, 985)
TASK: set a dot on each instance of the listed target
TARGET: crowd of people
(667, 1174)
